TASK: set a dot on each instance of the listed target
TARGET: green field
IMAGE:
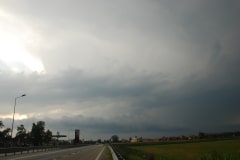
(210, 150)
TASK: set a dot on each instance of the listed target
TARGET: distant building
(135, 139)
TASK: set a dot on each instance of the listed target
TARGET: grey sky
(145, 68)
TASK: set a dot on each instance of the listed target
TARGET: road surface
(94, 152)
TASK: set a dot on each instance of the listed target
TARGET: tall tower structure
(77, 136)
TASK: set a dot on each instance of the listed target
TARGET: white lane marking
(100, 153)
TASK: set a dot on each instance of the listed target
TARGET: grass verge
(108, 154)
(209, 150)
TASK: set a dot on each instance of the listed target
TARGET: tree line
(36, 137)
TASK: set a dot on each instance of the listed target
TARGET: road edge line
(100, 153)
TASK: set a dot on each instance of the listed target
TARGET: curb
(114, 156)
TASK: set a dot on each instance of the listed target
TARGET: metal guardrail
(20, 150)
(117, 154)
(114, 156)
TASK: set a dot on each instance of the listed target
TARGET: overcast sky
(133, 68)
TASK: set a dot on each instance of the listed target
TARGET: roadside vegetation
(108, 154)
(36, 137)
(197, 150)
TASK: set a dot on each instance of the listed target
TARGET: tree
(5, 137)
(21, 130)
(201, 135)
(1, 124)
(6, 132)
(21, 135)
(114, 138)
(48, 137)
(38, 133)
(99, 141)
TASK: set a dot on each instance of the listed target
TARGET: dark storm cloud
(195, 105)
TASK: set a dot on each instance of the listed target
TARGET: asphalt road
(95, 152)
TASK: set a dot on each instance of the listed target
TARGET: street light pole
(15, 102)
